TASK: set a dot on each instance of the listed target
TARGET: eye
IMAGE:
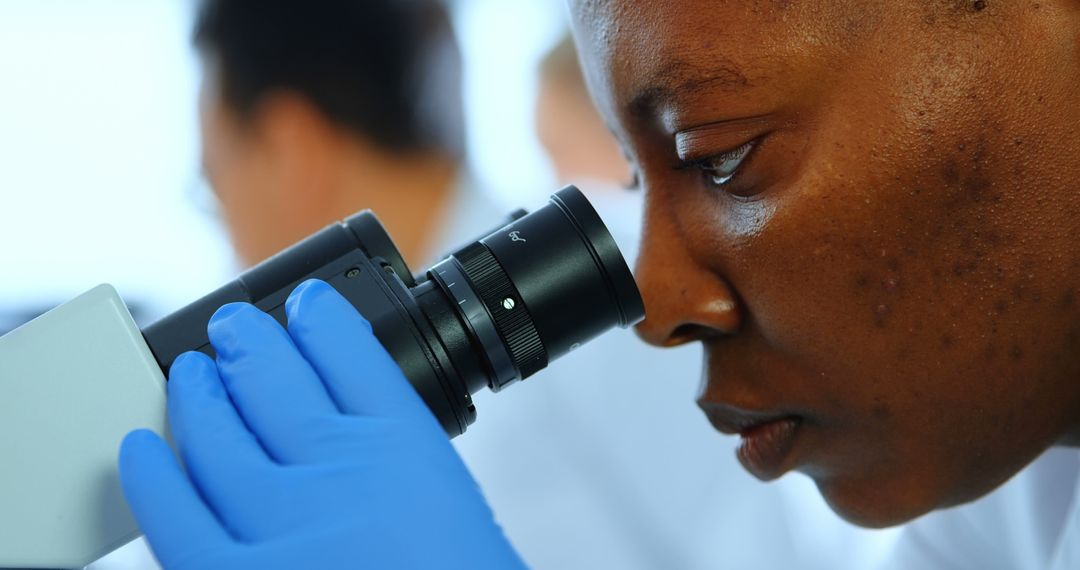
(720, 169)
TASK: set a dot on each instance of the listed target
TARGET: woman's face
(868, 213)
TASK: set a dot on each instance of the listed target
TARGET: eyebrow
(685, 77)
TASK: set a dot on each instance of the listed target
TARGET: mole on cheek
(950, 172)
(976, 188)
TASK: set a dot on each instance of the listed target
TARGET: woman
(866, 214)
(864, 211)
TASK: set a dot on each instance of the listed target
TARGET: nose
(684, 300)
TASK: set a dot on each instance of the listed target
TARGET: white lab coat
(1031, 522)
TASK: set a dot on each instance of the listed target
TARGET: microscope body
(73, 382)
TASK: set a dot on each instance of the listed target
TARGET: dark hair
(388, 70)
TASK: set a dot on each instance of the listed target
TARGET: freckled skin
(896, 262)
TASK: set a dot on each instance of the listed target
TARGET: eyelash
(709, 164)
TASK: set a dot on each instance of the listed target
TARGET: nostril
(688, 333)
(659, 333)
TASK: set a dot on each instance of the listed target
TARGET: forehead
(638, 51)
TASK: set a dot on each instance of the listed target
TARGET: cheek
(920, 304)
(925, 312)
(916, 272)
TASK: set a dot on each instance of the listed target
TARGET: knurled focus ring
(512, 318)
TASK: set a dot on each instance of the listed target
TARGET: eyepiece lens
(623, 288)
(549, 282)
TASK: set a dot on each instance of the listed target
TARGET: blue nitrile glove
(304, 449)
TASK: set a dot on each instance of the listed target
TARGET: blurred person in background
(311, 112)
(570, 129)
(579, 148)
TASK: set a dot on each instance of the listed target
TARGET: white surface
(72, 383)
(99, 163)
(1032, 522)
(501, 43)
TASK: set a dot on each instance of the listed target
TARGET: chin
(877, 504)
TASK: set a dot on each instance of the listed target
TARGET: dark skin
(895, 261)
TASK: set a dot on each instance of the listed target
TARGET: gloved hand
(304, 449)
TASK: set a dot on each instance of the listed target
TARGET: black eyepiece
(609, 260)
(549, 282)
(492, 313)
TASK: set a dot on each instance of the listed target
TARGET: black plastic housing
(493, 313)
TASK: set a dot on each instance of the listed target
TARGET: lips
(765, 447)
(767, 438)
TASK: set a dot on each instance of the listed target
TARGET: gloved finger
(278, 395)
(167, 507)
(222, 457)
(338, 342)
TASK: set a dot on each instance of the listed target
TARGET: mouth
(764, 448)
(766, 439)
